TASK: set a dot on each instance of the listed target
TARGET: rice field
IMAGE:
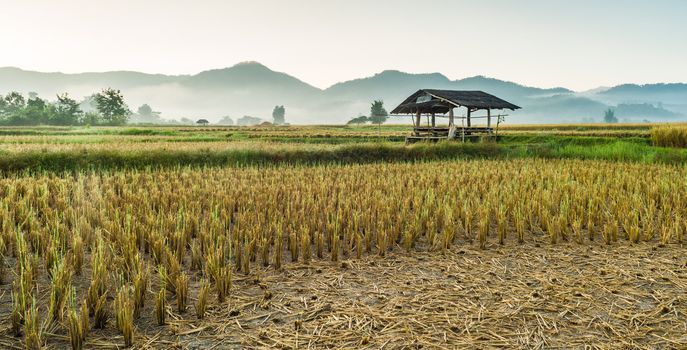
(381, 246)
(670, 136)
(128, 258)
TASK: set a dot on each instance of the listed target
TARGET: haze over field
(337, 56)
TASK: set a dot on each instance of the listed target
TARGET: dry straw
(103, 232)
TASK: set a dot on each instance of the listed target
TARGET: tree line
(108, 105)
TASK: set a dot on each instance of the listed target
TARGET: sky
(580, 44)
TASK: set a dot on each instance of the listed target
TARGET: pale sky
(579, 44)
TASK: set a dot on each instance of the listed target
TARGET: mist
(252, 89)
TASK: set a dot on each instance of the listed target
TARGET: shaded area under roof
(439, 101)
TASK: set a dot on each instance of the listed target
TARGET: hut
(441, 103)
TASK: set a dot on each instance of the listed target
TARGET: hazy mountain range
(250, 88)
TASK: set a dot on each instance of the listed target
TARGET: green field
(73, 148)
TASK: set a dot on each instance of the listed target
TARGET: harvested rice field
(531, 296)
(464, 253)
(511, 296)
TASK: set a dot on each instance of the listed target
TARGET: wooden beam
(434, 120)
(469, 111)
(450, 116)
(443, 100)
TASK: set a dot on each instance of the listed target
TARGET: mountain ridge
(251, 88)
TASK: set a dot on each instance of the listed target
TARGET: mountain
(247, 88)
(677, 89)
(566, 108)
(394, 86)
(245, 74)
(671, 98)
(389, 83)
(251, 88)
(644, 110)
(50, 83)
(506, 89)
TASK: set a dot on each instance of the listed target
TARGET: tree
(91, 118)
(3, 106)
(609, 116)
(111, 107)
(66, 111)
(36, 102)
(278, 115)
(145, 110)
(88, 104)
(378, 114)
(226, 120)
(202, 122)
(37, 111)
(247, 120)
(12, 109)
(146, 114)
(361, 119)
(14, 102)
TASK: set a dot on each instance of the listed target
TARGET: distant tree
(609, 116)
(111, 107)
(186, 121)
(14, 102)
(378, 115)
(3, 106)
(361, 119)
(145, 110)
(226, 120)
(146, 114)
(91, 118)
(202, 122)
(88, 104)
(247, 120)
(36, 102)
(278, 115)
(66, 111)
(37, 111)
(12, 109)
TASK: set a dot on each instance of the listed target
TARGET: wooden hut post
(434, 120)
(488, 117)
(469, 111)
(417, 122)
(450, 116)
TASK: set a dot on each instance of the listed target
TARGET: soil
(533, 295)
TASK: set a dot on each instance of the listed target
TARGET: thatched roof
(439, 101)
